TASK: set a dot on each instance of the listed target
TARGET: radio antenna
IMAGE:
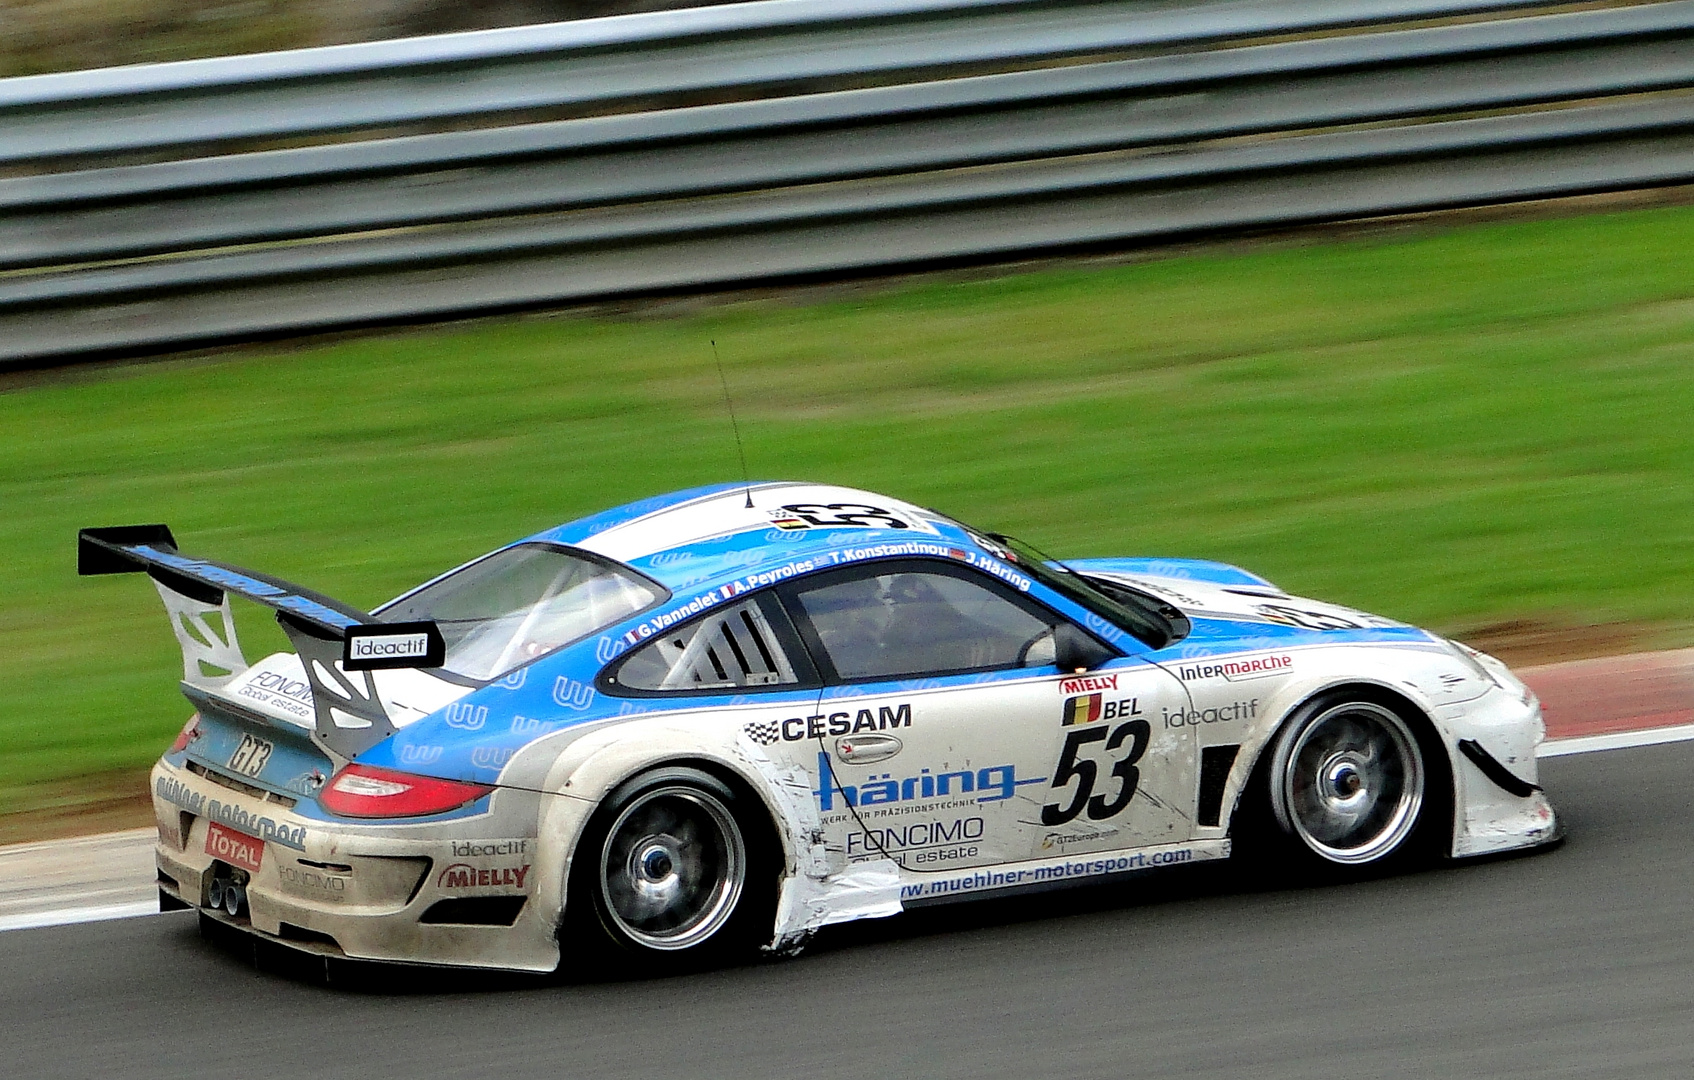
(740, 450)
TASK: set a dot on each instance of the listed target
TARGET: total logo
(234, 848)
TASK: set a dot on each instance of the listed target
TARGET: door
(942, 717)
(1124, 772)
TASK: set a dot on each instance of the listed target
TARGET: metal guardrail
(857, 138)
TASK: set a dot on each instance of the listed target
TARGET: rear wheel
(669, 870)
(1347, 781)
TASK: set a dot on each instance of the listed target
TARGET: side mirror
(1074, 650)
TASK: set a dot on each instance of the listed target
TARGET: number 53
(1087, 771)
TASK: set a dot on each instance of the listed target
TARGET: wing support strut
(338, 645)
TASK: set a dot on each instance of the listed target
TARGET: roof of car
(706, 534)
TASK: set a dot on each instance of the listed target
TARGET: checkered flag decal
(764, 733)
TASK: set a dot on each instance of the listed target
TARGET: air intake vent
(735, 648)
(236, 785)
(476, 911)
(1215, 763)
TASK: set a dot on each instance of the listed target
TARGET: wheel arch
(1251, 773)
(581, 802)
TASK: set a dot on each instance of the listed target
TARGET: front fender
(1429, 679)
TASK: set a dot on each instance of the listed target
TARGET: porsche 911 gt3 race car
(725, 718)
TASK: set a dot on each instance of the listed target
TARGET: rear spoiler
(339, 646)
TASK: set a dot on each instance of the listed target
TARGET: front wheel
(1347, 781)
(668, 868)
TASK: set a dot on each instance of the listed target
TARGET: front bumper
(475, 891)
(1488, 819)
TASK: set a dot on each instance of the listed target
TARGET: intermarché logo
(1256, 668)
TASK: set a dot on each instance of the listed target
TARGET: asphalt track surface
(1577, 961)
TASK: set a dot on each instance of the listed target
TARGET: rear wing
(339, 646)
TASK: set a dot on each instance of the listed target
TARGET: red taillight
(190, 732)
(366, 791)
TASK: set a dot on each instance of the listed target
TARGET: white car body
(882, 795)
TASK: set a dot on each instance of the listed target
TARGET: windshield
(502, 612)
(1154, 622)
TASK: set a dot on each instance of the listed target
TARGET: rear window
(502, 612)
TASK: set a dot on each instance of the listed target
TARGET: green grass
(1479, 424)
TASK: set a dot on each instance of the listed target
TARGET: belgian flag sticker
(1081, 710)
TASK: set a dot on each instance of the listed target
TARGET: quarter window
(731, 649)
(901, 623)
(522, 602)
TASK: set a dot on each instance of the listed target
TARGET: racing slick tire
(674, 869)
(1353, 784)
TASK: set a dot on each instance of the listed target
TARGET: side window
(899, 622)
(734, 648)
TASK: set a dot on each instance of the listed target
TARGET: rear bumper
(473, 891)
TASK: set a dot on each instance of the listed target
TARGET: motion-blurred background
(63, 35)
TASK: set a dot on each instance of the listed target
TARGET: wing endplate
(349, 714)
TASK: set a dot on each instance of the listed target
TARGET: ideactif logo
(405, 645)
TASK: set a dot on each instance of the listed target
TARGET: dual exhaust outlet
(228, 889)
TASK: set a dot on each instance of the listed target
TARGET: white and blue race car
(722, 719)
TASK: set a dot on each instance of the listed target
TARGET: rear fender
(596, 763)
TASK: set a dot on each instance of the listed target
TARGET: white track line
(66, 916)
(1617, 740)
